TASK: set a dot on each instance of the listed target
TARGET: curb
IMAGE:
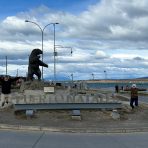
(72, 130)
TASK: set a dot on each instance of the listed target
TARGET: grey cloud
(134, 8)
(107, 26)
(138, 59)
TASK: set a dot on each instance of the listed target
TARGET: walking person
(134, 96)
(6, 82)
(116, 88)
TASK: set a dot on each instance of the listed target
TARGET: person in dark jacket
(134, 96)
(116, 88)
(6, 82)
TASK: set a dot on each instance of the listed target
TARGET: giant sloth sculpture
(34, 63)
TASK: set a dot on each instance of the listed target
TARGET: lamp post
(17, 73)
(54, 53)
(92, 76)
(72, 77)
(42, 33)
(105, 72)
(6, 65)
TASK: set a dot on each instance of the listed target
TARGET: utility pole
(6, 65)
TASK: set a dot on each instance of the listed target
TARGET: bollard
(30, 113)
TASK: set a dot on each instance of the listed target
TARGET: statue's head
(36, 52)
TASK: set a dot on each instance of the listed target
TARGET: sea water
(112, 85)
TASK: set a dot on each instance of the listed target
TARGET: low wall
(39, 96)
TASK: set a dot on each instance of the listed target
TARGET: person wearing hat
(134, 96)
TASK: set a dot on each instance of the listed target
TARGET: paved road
(143, 99)
(22, 139)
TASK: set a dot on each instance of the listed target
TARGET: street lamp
(72, 77)
(92, 76)
(17, 73)
(6, 65)
(42, 31)
(105, 72)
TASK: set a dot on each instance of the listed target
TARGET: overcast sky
(109, 38)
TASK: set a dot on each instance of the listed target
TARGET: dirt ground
(89, 118)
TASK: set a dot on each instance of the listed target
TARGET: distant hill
(142, 78)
